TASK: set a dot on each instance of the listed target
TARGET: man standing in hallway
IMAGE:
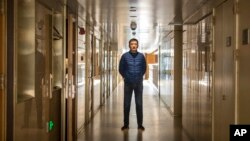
(132, 67)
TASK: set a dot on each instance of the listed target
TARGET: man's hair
(133, 39)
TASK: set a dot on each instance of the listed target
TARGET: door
(81, 76)
(31, 95)
(105, 71)
(48, 69)
(243, 63)
(89, 75)
(224, 95)
(96, 73)
(107, 68)
(2, 70)
(70, 75)
(56, 113)
(37, 89)
(102, 70)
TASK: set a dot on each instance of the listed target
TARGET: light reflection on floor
(159, 124)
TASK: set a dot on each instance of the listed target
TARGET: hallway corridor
(159, 124)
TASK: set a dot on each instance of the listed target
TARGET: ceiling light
(132, 10)
(133, 25)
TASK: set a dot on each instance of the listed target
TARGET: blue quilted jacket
(132, 68)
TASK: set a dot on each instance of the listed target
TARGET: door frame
(69, 89)
(10, 70)
(88, 73)
(2, 70)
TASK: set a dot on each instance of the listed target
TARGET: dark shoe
(141, 128)
(124, 127)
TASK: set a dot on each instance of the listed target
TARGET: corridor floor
(158, 122)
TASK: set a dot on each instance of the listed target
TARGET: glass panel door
(81, 75)
(56, 62)
(96, 73)
(105, 74)
(166, 71)
(70, 76)
(32, 68)
(89, 75)
(38, 54)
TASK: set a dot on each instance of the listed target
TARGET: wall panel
(244, 67)
(197, 73)
(224, 95)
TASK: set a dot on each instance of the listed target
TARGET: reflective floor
(159, 124)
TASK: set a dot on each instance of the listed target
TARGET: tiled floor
(159, 124)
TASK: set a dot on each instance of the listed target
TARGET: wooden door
(243, 113)
(224, 84)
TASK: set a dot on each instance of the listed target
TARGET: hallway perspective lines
(159, 124)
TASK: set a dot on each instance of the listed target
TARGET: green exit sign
(50, 125)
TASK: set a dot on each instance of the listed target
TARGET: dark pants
(128, 90)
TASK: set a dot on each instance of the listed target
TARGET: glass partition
(166, 61)
(57, 51)
(96, 77)
(25, 49)
(81, 74)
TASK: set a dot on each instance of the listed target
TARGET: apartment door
(89, 105)
(102, 74)
(96, 74)
(31, 87)
(37, 96)
(81, 61)
(224, 82)
(48, 68)
(105, 71)
(243, 63)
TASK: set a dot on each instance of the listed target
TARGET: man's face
(133, 46)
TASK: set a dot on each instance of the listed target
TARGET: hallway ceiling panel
(158, 10)
(150, 15)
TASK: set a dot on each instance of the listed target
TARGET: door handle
(72, 88)
(2, 82)
(66, 86)
(50, 85)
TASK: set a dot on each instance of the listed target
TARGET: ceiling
(152, 17)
